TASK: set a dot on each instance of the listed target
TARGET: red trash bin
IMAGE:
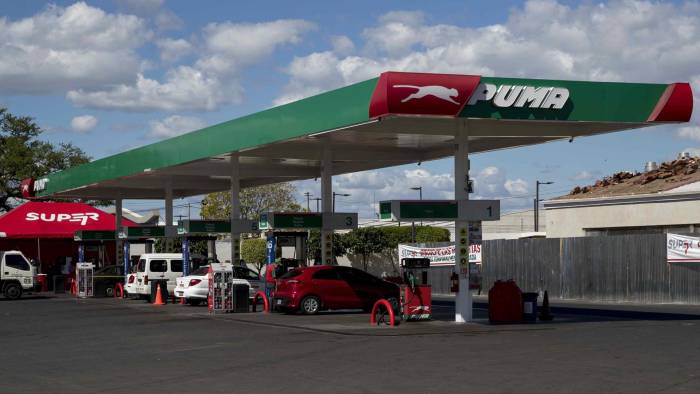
(505, 303)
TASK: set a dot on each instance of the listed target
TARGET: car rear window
(291, 274)
(201, 271)
(159, 266)
(327, 274)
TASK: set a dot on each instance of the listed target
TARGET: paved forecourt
(60, 345)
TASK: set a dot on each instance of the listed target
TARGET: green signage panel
(412, 210)
(94, 236)
(204, 226)
(291, 220)
(435, 210)
(145, 232)
(385, 210)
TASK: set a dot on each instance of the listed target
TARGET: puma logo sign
(441, 92)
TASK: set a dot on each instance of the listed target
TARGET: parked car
(152, 266)
(311, 289)
(195, 287)
(106, 279)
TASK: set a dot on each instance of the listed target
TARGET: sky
(109, 76)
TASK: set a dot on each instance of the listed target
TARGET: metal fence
(626, 268)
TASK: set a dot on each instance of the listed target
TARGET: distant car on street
(311, 289)
(195, 287)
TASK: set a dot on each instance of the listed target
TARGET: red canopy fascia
(56, 220)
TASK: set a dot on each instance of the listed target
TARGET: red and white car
(195, 287)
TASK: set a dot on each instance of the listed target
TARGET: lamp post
(338, 194)
(413, 224)
(537, 203)
(308, 201)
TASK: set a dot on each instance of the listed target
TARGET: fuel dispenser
(416, 293)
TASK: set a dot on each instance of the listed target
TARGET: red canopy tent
(44, 230)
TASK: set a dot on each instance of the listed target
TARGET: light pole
(413, 224)
(537, 203)
(308, 201)
(338, 194)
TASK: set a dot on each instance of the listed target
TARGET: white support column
(118, 228)
(327, 205)
(235, 208)
(463, 301)
(170, 230)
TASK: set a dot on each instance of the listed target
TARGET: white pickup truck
(17, 275)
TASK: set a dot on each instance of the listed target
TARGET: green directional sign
(145, 232)
(418, 210)
(85, 235)
(291, 220)
(412, 210)
(203, 227)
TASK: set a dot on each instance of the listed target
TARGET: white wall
(573, 221)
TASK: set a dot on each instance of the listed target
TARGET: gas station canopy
(395, 119)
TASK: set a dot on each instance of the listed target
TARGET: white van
(157, 266)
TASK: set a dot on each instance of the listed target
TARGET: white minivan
(157, 266)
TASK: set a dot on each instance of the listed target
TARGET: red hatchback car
(311, 289)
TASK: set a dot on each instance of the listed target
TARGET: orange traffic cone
(73, 287)
(182, 300)
(159, 297)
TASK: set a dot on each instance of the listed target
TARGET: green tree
(254, 251)
(23, 155)
(366, 241)
(254, 201)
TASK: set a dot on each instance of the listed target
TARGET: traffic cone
(159, 297)
(73, 287)
(182, 300)
(545, 312)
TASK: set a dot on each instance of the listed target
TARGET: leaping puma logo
(441, 92)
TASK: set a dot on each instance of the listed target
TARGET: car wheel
(194, 301)
(13, 291)
(109, 291)
(310, 305)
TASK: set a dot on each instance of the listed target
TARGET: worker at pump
(270, 278)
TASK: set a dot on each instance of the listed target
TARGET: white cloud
(367, 187)
(172, 50)
(582, 176)
(213, 79)
(689, 132)
(342, 45)
(516, 187)
(542, 39)
(184, 88)
(175, 125)
(73, 47)
(83, 124)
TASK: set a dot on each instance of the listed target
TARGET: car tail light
(145, 280)
(131, 278)
(194, 282)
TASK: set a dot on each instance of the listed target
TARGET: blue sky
(112, 75)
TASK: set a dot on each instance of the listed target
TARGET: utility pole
(308, 201)
(317, 200)
(537, 203)
(338, 194)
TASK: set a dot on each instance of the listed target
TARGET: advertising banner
(682, 249)
(439, 254)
